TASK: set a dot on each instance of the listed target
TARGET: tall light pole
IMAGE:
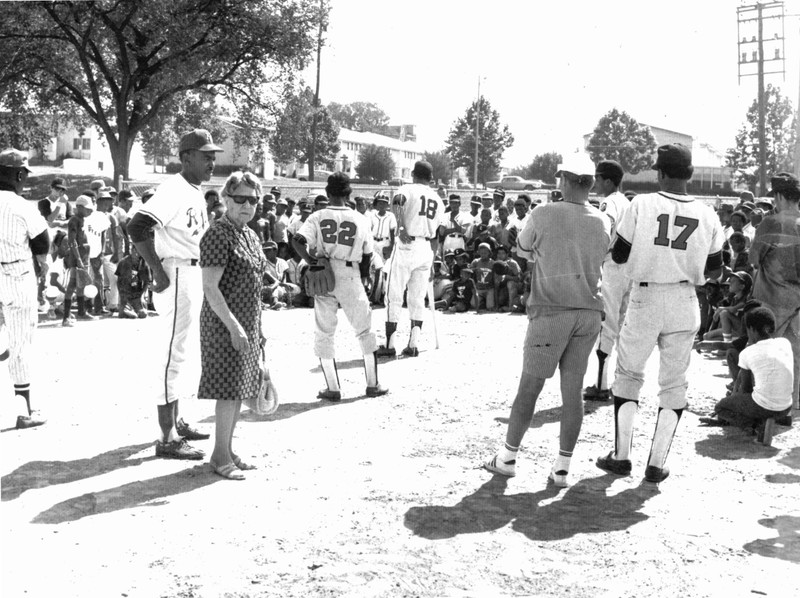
(477, 134)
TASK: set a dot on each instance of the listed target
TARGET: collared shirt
(20, 221)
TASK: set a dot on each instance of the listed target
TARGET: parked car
(398, 182)
(319, 175)
(515, 183)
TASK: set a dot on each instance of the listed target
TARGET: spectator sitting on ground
(763, 388)
(740, 253)
(463, 291)
(737, 345)
(294, 275)
(727, 319)
(483, 271)
(738, 221)
(526, 286)
(507, 281)
(481, 235)
(275, 287)
(709, 296)
(133, 276)
(442, 285)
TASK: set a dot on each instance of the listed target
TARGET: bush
(174, 167)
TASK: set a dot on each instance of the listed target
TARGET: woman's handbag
(266, 401)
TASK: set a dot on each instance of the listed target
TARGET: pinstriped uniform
(19, 223)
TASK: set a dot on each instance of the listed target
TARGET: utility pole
(312, 154)
(477, 134)
(746, 20)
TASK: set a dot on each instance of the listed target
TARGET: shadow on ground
(128, 496)
(584, 508)
(732, 444)
(287, 410)
(41, 474)
(786, 546)
(552, 415)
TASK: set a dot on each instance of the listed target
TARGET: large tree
(779, 136)
(365, 117)
(442, 165)
(620, 137)
(375, 162)
(292, 138)
(494, 139)
(120, 62)
(543, 167)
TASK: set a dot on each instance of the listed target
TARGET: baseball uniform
(421, 209)
(20, 222)
(179, 210)
(382, 229)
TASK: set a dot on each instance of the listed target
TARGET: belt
(647, 284)
(181, 261)
(9, 263)
(347, 263)
(379, 239)
(455, 235)
(420, 238)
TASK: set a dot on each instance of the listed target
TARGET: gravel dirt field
(379, 497)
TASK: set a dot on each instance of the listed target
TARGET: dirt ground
(379, 497)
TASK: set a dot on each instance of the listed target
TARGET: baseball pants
(18, 316)
(178, 340)
(666, 315)
(350, 294)
(615, 287)
(410, 267)
(110, 291)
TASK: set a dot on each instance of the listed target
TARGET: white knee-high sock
(416, 328)
(371, 368)
(330, 373)
(666, 424)
(624, 416)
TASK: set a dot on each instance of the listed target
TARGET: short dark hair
(675, 171)
(761, 319)
(583, 181)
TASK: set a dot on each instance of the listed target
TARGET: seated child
(507, 280)
(741, 263)
(133, 276)
(763, 388)
(463, 291)
(483, 271)
(727, 319)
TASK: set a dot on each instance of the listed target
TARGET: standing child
(77, 260)
(133, 276)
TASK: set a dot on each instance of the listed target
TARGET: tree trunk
(121, 155)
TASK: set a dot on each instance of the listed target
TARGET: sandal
(228, 471)
(237, 461)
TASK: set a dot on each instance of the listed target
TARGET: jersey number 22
(345, 235)
(689, 226)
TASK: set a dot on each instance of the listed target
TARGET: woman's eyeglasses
(242, 199)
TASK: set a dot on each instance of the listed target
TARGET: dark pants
(740, 409)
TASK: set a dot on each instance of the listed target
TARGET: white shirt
(95, 224)
(381, 225)
(614, 206)
(422, 209)
(338, 233)
(179, 210)
(770, 361)
(20, 221)
(671, 237)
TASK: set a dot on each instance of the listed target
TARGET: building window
(76, 143)
(87, 143)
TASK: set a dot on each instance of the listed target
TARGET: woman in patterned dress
(233, 266)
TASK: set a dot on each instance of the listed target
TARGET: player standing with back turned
(418, 210)
(667, 241)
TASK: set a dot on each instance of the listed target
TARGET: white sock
(390, 341)
(371, 369)
(604, 375)
(508, 453)
(666, 424)
(624, 417)
(329, 371)
(562, 461)
(727, 337)
(413, 338)
(172, 436)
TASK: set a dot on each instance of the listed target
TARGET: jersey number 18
(428, 208)
(689, 226)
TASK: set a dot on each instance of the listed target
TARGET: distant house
(85, 152)
(711, 175)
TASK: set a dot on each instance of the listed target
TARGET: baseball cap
(726, 207)
(747, 207)
(454, 197)
(485, 197)
(579, 164)
(85, 201)
(486, 245)
(673, 154)
(148, 193)
(199, 140)
(609, 169)
(741, 214)
(103, 194)
(744, 277)
(97, 184)
(746, 196)
(783, 182)
(12, 158)
(765, 202)
(382, 197)
(449, 253)
(499, 191)
(321, 200)
(422, 170)
(466, 270)
(268, 198)
(475, 200)
(126, 194)
(58, 183)
(282, 202)
(275, 191)
(305, 206)
(270, 245)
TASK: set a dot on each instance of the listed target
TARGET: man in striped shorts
(177, 214)
(23, 232)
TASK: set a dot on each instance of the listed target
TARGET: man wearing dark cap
(776, 254)
(55, 207)
(614, 285)
(23, 236)
(456, 226)
(419, 212)
(384, 232)
(498, 199)
(177, 216)
(667, 241)
(276, 193)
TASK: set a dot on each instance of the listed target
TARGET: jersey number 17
(689, 226)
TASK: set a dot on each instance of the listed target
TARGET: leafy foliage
(365, 117)
(121, 63)
(292, 138)
(543, 167)
(779, 136)
(375, 162)
(494, 139)
(442, 165)
(620, 137)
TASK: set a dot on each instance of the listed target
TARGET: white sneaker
(506, 468)
(559, 478)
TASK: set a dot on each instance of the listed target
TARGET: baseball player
(456, 226)
(344, 237)
(23, 232)
(384, 231)
(666, 240)
(615, 287)
(177, 214)
(418, 211)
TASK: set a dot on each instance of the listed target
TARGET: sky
(551, 69)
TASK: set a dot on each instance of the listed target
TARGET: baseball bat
(432, 306)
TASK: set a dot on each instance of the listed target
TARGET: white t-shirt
(338, 233)
(771, 362)
(671, 236)
(422, 209)
(179, 210)
(381, 225)
(95, 224)
(20, 221)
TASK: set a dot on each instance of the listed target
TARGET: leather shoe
(376, 391)
(330, 395)
(188, 432)
(29, 421)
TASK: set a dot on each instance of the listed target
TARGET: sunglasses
(242, 199)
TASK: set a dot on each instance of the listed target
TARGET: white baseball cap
(579, 164)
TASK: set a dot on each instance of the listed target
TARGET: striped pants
(18, 316)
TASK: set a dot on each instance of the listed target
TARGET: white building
(85, 152)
